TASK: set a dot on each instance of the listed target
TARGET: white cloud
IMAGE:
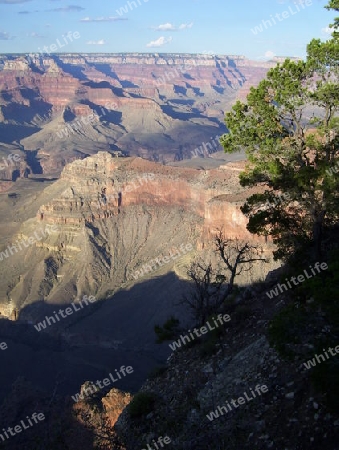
(184, 26)
(159, 42)
(269, 54)
(165, 27)
(102, 19)
(170, 27)
(100, 42)
(70, 8)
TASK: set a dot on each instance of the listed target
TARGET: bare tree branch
(209, 290)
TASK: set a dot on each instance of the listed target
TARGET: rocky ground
(290, 415)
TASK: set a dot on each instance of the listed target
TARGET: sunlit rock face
(159, 107)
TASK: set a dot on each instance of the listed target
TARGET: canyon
(109, 156)
(136, 301)
(165, 109)
(110, 216)
(156, 106)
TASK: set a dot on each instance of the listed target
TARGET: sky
(257, 29)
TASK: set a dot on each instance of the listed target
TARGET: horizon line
(143, 53)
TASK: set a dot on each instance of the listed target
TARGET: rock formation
(115, 214)
(160, 107)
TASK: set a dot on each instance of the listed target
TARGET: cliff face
(13, 165)
(160, 107)
(115, 214)
(102, 186)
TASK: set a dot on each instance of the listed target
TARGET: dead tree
(238, 257)
(212, 286)
(204, 296)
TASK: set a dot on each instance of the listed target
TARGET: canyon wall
(112, 216)
(159, 106)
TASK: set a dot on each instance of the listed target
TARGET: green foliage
(288, 153)
(286, 329)
(325, 291)
(305, 321)
(168, 331)
(334, 5)
(141, 405)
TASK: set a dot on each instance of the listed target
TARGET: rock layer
(160, 107)
(113, 215)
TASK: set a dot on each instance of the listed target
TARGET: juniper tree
(290, 131)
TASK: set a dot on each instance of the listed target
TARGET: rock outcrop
(102, 186)
(114, 403)
(112, 215)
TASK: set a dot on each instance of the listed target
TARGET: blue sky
(164, 26)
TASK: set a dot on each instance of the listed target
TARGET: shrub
(141, 405)
(168, 331)
(285, 329)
